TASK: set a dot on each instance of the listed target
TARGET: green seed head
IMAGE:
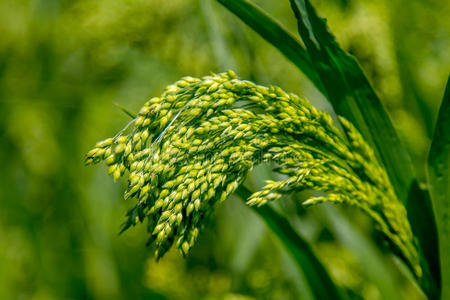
(193, 146)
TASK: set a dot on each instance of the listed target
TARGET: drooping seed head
(192, 147)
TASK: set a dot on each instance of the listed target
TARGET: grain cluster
(192, 147)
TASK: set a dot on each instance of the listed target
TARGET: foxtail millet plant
(191, 148)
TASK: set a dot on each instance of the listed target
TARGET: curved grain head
(190, 148)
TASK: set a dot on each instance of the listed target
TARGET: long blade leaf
(420, 214)
(317, 276)
(439, 181)
(274, 33)
(352, 96)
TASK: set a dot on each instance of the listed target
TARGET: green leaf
(317, 276)
(368, 256)
(352, 96)
(125, 110)
(274, 33)
(439, 181)
(420, 214)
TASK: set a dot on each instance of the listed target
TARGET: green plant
(193, 146)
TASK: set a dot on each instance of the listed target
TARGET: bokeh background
(63, 66)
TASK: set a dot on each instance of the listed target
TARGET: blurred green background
(63, 65)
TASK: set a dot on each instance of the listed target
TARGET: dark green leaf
(352, 96)
(439, 180)
(274, 33)
(317, 276)
(420, 212)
